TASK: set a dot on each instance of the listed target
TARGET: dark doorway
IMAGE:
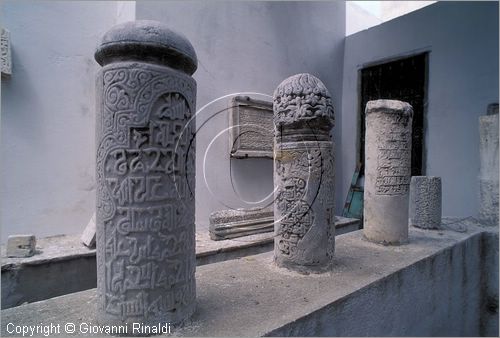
(404, 80)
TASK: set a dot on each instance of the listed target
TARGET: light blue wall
(48, 115)
(249, 46)
(462, 38)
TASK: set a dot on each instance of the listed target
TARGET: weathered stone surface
(387, 171)
(225, 224)
(425, 202)
(88, 235)
(303, 175)
(235, 215)
(145, 175)
(252, 130)
(6, 60)
(302, 103)
(21, 245)
(488, 169)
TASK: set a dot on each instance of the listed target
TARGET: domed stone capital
(302, 101)
(147, 41)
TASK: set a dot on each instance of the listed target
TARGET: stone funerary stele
(145, 175)
(303, 175)
(387, 171)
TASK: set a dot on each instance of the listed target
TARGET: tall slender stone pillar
(488, 169)
(145, 175)
(387, 171)
(425, 202)
(304, 175)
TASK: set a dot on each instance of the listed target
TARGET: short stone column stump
(425, 202)
(387, 171)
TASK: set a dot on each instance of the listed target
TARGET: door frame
(426, 51)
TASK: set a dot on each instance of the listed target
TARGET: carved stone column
(387, 170)
(145, 175)
(303, 175)
(425, 202)
(488, 169)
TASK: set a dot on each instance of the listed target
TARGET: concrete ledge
(434, 286)
(64, 265)
(61, 265)
(344, 225)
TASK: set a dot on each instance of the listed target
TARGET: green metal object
(353, 207)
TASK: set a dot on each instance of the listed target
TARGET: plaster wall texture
(462, 41)
(249, 47)
(48, 105)
(47, 131)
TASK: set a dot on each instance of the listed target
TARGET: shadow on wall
(250, 170)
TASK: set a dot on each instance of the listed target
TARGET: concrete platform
(443, 283)
(64, 265)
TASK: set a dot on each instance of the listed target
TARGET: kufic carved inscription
(145, 167)
(393, 157)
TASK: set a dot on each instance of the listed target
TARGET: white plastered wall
(462, 41)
